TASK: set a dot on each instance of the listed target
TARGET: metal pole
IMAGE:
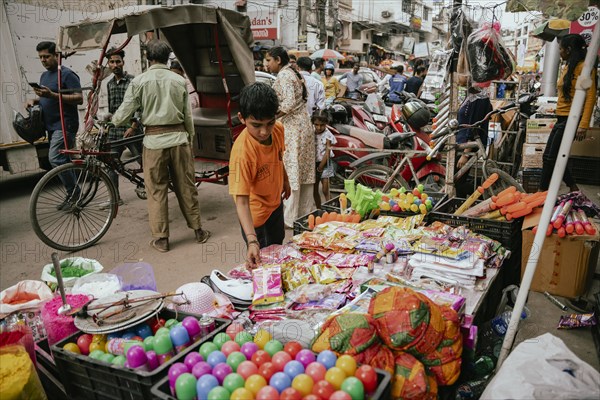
(551, 63)
(583, 84)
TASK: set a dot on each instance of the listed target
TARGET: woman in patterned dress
(299, 156)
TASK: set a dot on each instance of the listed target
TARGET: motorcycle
(369, 115)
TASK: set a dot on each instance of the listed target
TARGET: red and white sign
(264, 22)
(586, 24)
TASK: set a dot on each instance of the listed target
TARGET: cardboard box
(566, 266)
(541, 125)
(532, 155)
(589, 147)
(537, 137)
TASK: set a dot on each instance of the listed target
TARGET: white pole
(583, 84)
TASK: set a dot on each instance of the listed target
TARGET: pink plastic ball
(246, 369)
(316, 371)
(306, 357)
(248, 349)
(280, 359)
(220, 371)
(234, 329)
(201, 368)
(229, 347)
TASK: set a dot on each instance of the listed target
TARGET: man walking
(353, 81)
(116, 91)
(169, 132)
(397, 83)
(48, 92)
(316, 90)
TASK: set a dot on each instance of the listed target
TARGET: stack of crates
(538, 131)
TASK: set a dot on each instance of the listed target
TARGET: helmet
(416, 114)
(330, 66)
(339, 115)
(30, 128)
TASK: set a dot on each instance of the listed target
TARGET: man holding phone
(47, 90)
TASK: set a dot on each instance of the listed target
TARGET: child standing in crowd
(323, 141)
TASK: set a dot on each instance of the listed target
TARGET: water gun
(477, 193)
(506, 199)
(557, 210)
(569, 224)
(343, 203)
(560, 218)
(587, 225)
(579, 229)
(478, 209)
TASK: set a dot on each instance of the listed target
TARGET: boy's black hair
(258, 100)
(321, 115)
(305, 63)
(50, 46)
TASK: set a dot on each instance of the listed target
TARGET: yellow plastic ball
(261, 338)
(98, 346)
(335, 376)
(347, 364)
(303, 383)
(242, 394)
(72, 348)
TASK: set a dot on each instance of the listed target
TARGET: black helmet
(339, 115)
(416, 114)
(30, 128)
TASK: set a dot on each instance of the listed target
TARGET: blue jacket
(397, 83)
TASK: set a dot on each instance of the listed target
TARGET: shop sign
(408, 44)
(415, 22)
(586, 23)
(264, 23)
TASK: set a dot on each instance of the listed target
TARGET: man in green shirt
(169, 131)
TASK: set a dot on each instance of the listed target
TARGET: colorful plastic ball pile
(403, 200)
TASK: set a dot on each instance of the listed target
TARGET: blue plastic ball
(143, 331)
(293, 368)
(216, 357)
(205, 384)
(327, 358)
(280, 381)
(128, 335)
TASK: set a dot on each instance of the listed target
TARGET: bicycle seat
(213, 117)
(398, 137)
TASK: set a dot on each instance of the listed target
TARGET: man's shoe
(66, 205)
(160, 244)
(202, 235)
(107, 204)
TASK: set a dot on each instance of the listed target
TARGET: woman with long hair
(572, 50)
(299, 155)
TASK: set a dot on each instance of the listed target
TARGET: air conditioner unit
(386, 14)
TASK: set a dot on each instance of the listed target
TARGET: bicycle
(386, 178)
(72, 222)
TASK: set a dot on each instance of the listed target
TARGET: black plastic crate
(585, 170)
(301, 224)
(48, 372)
(333, 205)
(86, 378)
(383, 392)
(506, 232)
(530, 179)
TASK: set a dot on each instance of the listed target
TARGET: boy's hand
(253, 256)
(287, 190)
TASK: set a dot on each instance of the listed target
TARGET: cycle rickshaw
(213, 46)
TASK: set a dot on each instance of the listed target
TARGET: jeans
(57, 158)
(550, 154)
(272, 231)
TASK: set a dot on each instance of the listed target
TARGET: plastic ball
(290, 394)
(327, 358)
(396, 208)
(113, 335)
(335, 376)
(220, 339)
(306, 357)
(246, 369)
(424, 196)
(267, 370)
(107, 358)
(273, 346)
(205, 384)
(417, 202)
(175, 372)
(235, 359)
(293, 368)
(119, 360)
(347, 364)
(201, 368)
(220, 371)
(385, 206)
(233, 329)
(261, 338)
(136, 357)
(423, 209)
(233, 381)
(340, 395)
(230, 347)
(392, 203)
(171, 323)
(218, 393)
(416, 192)
(143, 331)
(206, 349)
(192, 359)
(292, 348)
(303, 383)
(280, 359)
(192, 326)
(243, 337)
(83, 342)
(261, 357)
(402, 189)
(354, 387)
(72, 347)
(149, 343)
(280, 381)
(185, 387)
(420, 187)
(254, 383)
(368, 376)
(153, 362)
(216, 357)
(248, 349)
(242, 394)
(267, 393)
(316, 371)
(323, 389)
(414, 208)
(162, 331)
(128, 335)
(96, 354)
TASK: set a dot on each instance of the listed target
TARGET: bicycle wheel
(376, 177)
(80, 221)
(504, 181)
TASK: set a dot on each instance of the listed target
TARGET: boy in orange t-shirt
(257, 177)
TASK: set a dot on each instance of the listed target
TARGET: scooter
(369, 115)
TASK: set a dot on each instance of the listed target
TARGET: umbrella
(326, 54)
(552, 29)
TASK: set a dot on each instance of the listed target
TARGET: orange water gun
(477, 193)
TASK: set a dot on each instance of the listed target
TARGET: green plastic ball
(220, 339)
(119, 360)
(354, 387)
(233, 381)
(218, 393)
(243, 337)
(96, 354)
(235, 359)
(207, 348)
(273, 346)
